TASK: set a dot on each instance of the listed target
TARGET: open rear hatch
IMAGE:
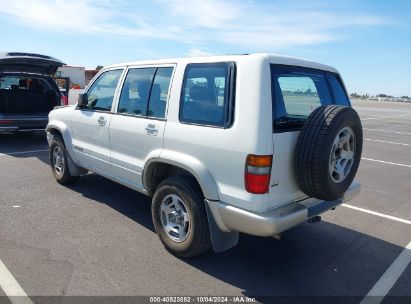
(26, 87)
(17, 62)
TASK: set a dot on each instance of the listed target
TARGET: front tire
(180, 217)
(59, 163)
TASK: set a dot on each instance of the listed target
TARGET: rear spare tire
(328, 152)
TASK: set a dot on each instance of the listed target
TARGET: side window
(340, 96)
(206, 94)
(101, 93)
(136, 90)
(159, 93)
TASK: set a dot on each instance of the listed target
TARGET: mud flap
(73, 168)
(220, 240)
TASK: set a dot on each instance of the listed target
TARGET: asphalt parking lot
(96, 237)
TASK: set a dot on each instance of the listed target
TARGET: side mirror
(82, 100)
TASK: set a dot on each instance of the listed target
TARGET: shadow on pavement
(311, 260)
(24, 142)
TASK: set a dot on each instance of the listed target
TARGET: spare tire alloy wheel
(342, 155)
(328, 152)
(175, 218)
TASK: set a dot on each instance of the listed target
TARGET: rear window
(23, 83)
(299, 91)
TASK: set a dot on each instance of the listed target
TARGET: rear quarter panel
(223, 151)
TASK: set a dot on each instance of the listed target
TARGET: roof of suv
(272, 58)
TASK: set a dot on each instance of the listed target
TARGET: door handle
(151, 129)
(102, 121)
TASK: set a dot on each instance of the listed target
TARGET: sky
(368, 41)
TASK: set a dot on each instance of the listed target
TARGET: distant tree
(405, 97)
(354, 95)
(99, 67)
(382, 95)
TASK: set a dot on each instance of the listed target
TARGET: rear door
(137, 127)
(296, 93)
(63, 84)
(90, 125)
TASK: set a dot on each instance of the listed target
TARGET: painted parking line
(395, 121)
(404, 221)
(385, 124)
(392, 274)
(389, 278)
(381, 117)
(381, 130)
(371, 115)
(11, 287)
(386, 142)
(24, 152)
(386, 162)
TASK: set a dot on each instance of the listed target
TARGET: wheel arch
(59, 128)
(156, 169)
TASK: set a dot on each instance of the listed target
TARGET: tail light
(64, 100)
(258, 173)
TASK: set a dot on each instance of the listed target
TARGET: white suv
(250, 143)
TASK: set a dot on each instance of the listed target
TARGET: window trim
(229, 100)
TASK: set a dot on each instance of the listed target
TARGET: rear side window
(136, 91)
(159, 93)
(145, 92)
(296, 93)
(207, 96)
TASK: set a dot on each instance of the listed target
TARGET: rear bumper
(230, 218)
(22, 124)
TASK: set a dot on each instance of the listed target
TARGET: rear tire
(180, 217)
(59, 162)
(328, 152)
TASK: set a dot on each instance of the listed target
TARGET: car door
(137, 127)
(64, 86)
(90, 124)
